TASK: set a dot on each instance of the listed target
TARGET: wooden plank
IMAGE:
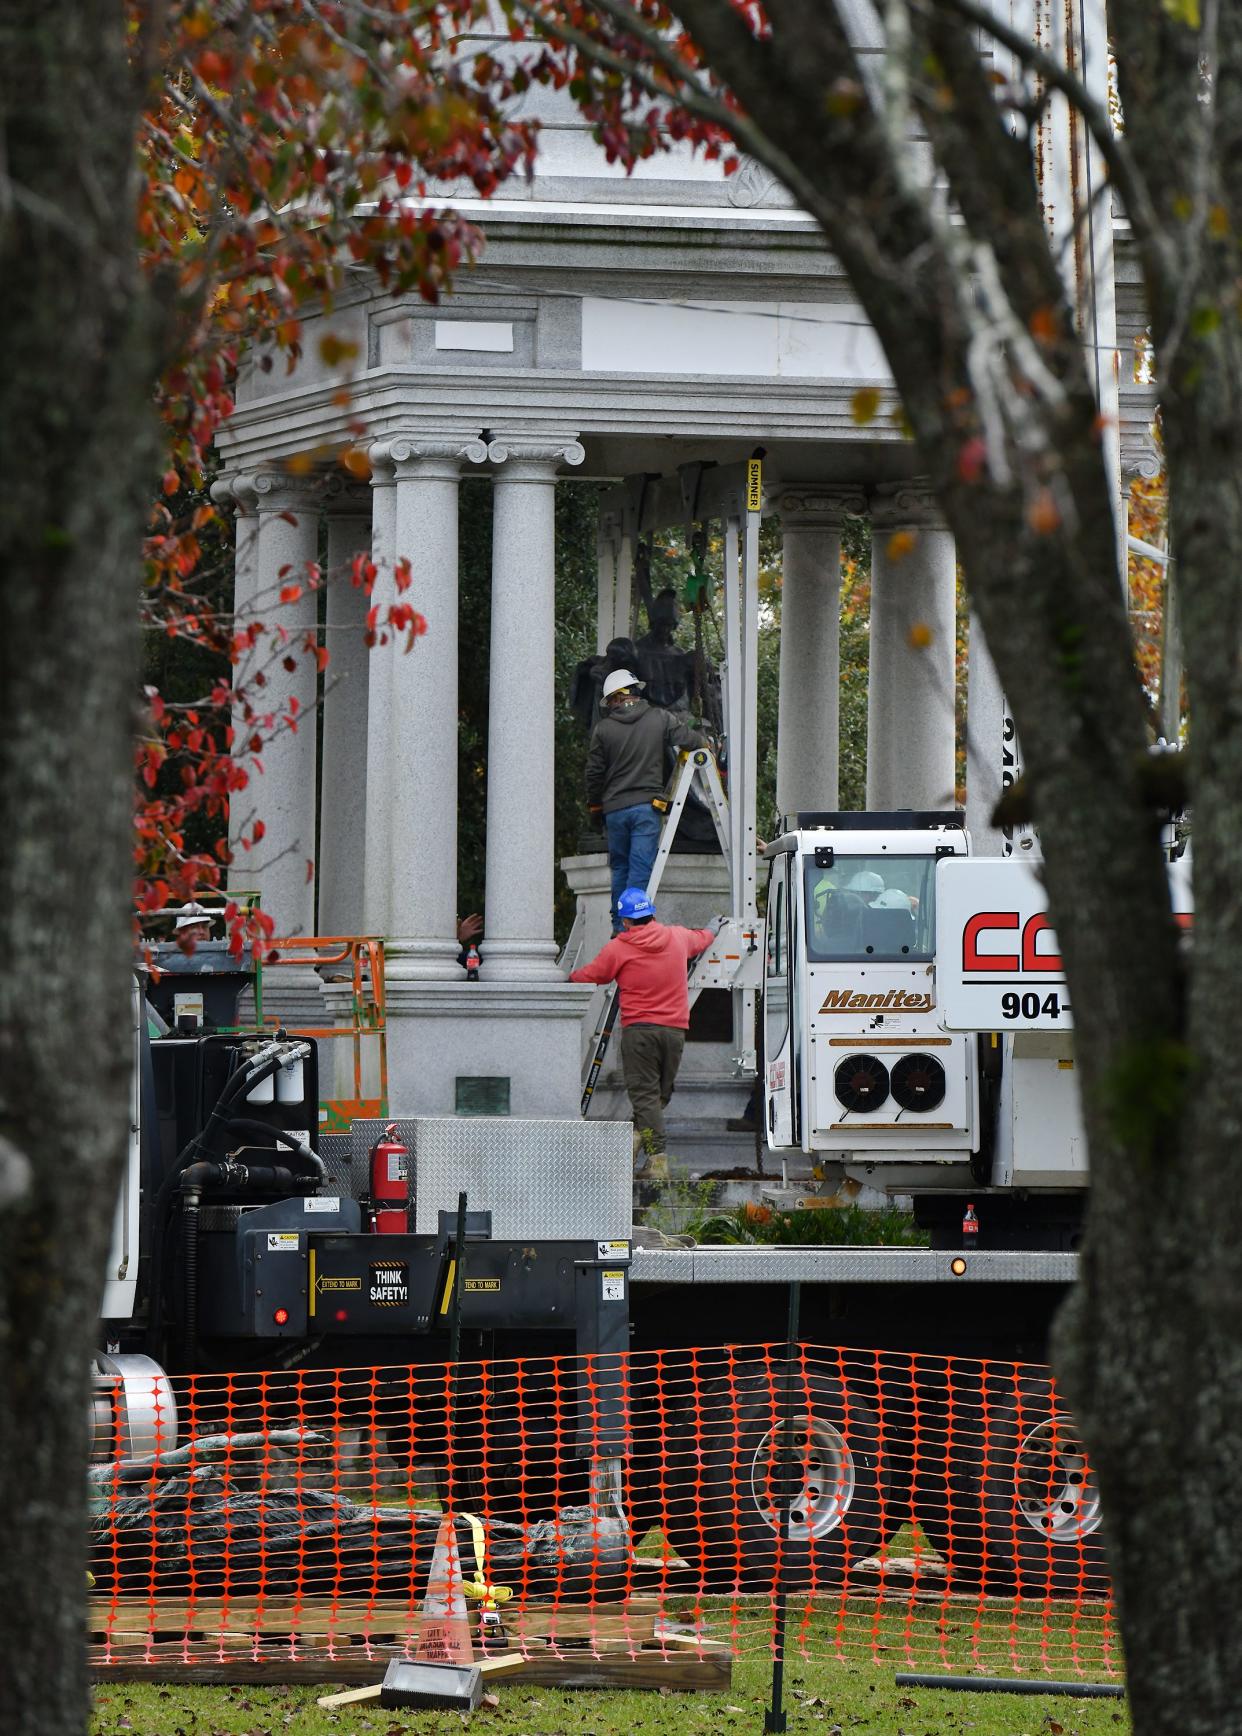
(671, 1642)
(503, 1664)
(577, 1623)
(350, 1697)
(572, 1670)
(647, 1670)
(177, 1616)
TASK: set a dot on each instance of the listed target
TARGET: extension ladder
(732, 960)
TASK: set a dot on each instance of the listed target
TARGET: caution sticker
(612, 1250)
(282, 1242)
(328, 1203)
(613, 1286)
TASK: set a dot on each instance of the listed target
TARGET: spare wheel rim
(823, 1482)
(1054, 1485)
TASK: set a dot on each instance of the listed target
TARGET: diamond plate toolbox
(555, 1180)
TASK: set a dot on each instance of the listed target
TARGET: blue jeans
(633, 839)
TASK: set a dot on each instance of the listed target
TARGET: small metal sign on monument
(482, 1094)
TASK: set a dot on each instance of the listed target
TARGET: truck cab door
(781, 1074)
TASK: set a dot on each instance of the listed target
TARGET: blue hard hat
(634, 904)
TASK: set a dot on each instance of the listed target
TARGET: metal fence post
(774, 1718)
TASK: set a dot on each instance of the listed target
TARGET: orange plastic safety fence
(921, 1511)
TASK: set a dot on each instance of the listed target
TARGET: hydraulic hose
(298, 1143)
(189, 1265)
(194, 1179)
(256, 1070)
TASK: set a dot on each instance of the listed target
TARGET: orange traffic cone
(444, 1627)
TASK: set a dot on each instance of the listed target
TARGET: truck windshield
(871, 908)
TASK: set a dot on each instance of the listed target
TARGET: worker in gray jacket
(625, 776)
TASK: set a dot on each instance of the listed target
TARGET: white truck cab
(858, 1066)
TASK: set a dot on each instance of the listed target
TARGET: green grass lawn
(848, 1697)
(840, 1679)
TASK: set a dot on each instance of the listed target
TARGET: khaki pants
(650, 1057)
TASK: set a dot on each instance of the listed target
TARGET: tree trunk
(1150, 1346)
(76, 446)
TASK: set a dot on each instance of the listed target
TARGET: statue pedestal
(692, 890)
(503, 1048)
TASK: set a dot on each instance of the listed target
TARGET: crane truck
(916, 1035)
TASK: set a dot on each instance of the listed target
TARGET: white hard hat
(893, 899)
(192, 913)
(866, 880)
(618, 679)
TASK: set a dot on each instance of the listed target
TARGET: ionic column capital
(236, 491)
(898, 505)
(818, 506)
(1141, 457)
(434, 455)
(343, 497)
(534, 457)
(281, 491)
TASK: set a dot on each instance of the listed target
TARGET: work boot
(653, 1168)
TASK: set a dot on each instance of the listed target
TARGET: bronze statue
(684, 682)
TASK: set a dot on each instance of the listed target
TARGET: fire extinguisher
(390, 1184)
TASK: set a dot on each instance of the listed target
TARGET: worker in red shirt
(648, 963)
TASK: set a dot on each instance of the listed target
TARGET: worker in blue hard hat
(647, 961)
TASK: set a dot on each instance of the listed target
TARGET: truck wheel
(521, 1467)
(1022, 1513)
(720, 1509)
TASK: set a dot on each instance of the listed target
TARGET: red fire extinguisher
(390, 1184)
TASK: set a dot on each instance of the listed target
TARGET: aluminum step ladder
(733, 955)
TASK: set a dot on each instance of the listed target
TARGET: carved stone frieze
(821, 505)
(905, 505)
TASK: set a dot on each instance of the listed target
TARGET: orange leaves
(407, 620)
(920, 636)
(1043, 514)
(900, 544)
(864, 405)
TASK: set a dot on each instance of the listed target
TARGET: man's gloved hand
(596, 817)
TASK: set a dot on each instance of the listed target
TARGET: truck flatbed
(848, 1265)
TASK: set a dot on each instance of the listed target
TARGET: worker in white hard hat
(630, 748)
(192, 925)
(187, 952)
(867, 882)
(880, 897)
